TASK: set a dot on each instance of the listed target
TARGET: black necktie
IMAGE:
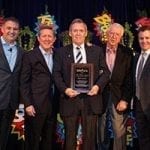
(139, 72)
(78, 56)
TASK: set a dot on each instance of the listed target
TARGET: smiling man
(38, 93)
(142, 88)
(73, 103)
(10, 65)
(118, 92)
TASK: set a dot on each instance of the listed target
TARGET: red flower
(143, 22)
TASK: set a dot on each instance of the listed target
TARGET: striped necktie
(79, 55)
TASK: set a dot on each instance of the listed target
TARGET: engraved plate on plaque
(81, 77)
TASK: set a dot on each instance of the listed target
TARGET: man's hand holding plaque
(94, 90)
(71, 93)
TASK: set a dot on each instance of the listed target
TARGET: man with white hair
(118, 92)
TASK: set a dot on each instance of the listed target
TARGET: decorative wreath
(26, 38)
(128, 37)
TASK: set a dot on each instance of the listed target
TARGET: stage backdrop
(16, 138)
(66, 10)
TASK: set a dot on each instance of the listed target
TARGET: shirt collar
(44, 52)
(5, 43)
(81, 46)
(109, 49)
(147, 51)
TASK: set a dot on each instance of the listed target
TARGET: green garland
(26, 38)
(128, 36)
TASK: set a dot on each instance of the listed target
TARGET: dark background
(66, 10)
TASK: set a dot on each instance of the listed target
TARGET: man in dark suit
(37, 92)
(142, 88)
(73, 103)
(118, 92)
(10, 64)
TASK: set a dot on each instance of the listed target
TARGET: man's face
(144, 39)
(10, 30)
(46, 39)
(78, 33)
(114, 36)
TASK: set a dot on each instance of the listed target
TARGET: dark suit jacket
(144, 85)
(9, 81)
(62, 76)
(120, 84)
(36, 82)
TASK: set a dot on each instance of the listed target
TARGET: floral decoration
(26, 38)
(65, 38)
(101, 24)
(128, 37)
(47, 20)
(144, 21)
(1, 22)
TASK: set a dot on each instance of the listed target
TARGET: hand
(94, 90)
(122, 105)
(30, 110)
(71, 93)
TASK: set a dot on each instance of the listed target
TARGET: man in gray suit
(10, 64)
(142, 89)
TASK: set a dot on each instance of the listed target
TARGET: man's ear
(69, 33)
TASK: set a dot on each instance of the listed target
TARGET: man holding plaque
(118, 92)
(80, 73)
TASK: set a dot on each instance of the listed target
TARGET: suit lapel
(136, 57)
(18, 58)
(147, 64)
(69, 54)
(40, 57)
(89, 54)
(118, 61)
(3, 59)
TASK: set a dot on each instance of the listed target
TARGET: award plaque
(81, 77)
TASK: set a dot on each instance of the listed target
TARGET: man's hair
(144, 28)
(13, 19)
(77, 20)
(42, 27)
(117, 25)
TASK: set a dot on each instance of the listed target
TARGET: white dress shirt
(83, 53)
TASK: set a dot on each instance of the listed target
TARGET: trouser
(119, 129)
(143, 126)
(88, 124)
(6, 118)
(38, 132)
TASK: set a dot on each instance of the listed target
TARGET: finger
(32, 114)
